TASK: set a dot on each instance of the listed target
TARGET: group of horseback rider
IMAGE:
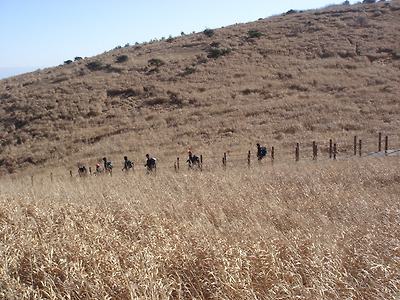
(151, 163)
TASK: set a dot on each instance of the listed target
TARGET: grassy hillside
(313, 75)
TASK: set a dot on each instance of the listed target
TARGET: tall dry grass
(327, 230)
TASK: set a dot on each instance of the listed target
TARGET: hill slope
(300, 76)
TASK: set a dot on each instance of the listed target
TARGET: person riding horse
(151, 163)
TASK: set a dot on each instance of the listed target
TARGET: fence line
(301, 152)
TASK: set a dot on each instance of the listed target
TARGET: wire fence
(314, 151)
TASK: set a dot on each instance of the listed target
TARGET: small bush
(122, 58)
(170, 39)
(254, 34)
(190, 70)
(78, 58)
(214, 52)
(291, 11)
(156, 62)
(369, 1)
(67, 62)
(209, 32)
(94, 65)
(201, 59)
(215, 44)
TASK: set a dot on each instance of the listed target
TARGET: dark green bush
(254, 34)
(215, 44)
(291, 11)
(190, 70)
(170, 39)
(94, 65)
(214, 52)
(67, 62)
(156, 62)
(209, 32)
(78, 58)
(122, 58)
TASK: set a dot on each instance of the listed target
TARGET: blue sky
(44, 33)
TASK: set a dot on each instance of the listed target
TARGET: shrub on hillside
(156, 62)
(170, 39)
(77, 58)
(254, 34)
(67, 62)
(291, 11)
(215, 44)
(209, 32)
(369, 1)
(190, 70)
(94, 65)
(214, 52)
(122, 58)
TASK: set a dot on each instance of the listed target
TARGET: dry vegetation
(326, 230)
(310, 231)
(312, 75)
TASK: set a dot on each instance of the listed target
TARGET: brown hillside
(311, 75)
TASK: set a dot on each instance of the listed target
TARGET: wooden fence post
(224, 160)
(273, 154)
(248, 159)
(32, 180)
(297, 152)
(380, 142)
(386, 144)
(330, 148)
(334, 151)
(70, 173)
(360, 147)
(51, 177)
(315, 150)
(90, 170)
(177, 163)
(355, 145)
(201, 162)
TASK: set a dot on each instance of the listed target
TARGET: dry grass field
(307, 231)
(326, 229)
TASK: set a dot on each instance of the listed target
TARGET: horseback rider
(261, 152)
(193, 160)
(107, 165)
(127, 164)
(98, 170)
(151, 163)
(82, 171)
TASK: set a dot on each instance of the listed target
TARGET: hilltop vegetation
(304, 75)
